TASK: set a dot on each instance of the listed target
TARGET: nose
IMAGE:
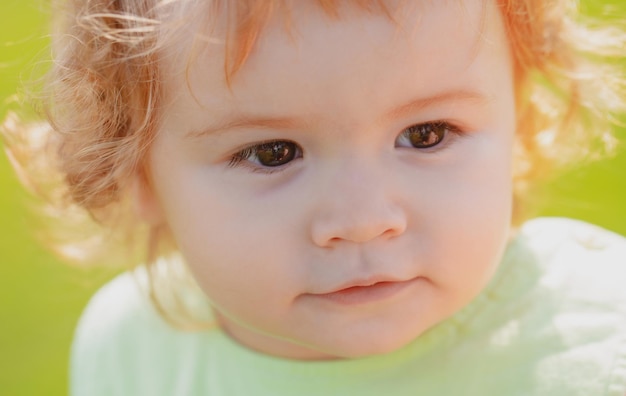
(357, 207)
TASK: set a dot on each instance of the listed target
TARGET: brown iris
(275, 153)
(426, 135)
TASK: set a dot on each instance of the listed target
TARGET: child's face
(353, 189)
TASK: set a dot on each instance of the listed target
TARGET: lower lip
(367, 294)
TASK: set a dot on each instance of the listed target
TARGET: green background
(41, 298)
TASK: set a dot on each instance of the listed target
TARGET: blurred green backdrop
(41, 298)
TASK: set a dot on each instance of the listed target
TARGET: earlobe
(145, 204)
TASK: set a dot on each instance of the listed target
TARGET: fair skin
(347, 193)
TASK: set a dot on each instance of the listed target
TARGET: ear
(146, 205)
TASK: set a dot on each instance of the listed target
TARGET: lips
(366, 292)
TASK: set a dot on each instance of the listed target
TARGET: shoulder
(549, 233)
(578, 257)
(118, 314)
(123, 346)
(119, 307)
(108, 335)
(578, 304)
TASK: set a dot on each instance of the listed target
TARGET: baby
(326, 189)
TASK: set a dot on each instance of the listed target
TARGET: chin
(381, 344)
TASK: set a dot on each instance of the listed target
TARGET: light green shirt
(551, 322)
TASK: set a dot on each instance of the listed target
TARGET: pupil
(276, 153)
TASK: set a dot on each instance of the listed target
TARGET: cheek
(467, 221)
(234, 243)
(472, 186)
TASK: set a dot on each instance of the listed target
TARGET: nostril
(333, 236)
(390, 233)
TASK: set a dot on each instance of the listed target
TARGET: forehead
(236, 26)
(307, 47)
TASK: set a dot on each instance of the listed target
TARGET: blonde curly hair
(103, 99)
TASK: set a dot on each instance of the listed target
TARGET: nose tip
(360, 223)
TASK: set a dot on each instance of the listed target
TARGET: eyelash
(244, 156)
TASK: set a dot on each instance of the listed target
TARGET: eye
(269, 154)
(423, 136)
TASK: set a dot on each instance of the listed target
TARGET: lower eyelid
(447, 143)
(254, 168)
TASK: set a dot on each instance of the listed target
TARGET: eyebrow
(413, 106)
(460, 95)
(246, 122)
